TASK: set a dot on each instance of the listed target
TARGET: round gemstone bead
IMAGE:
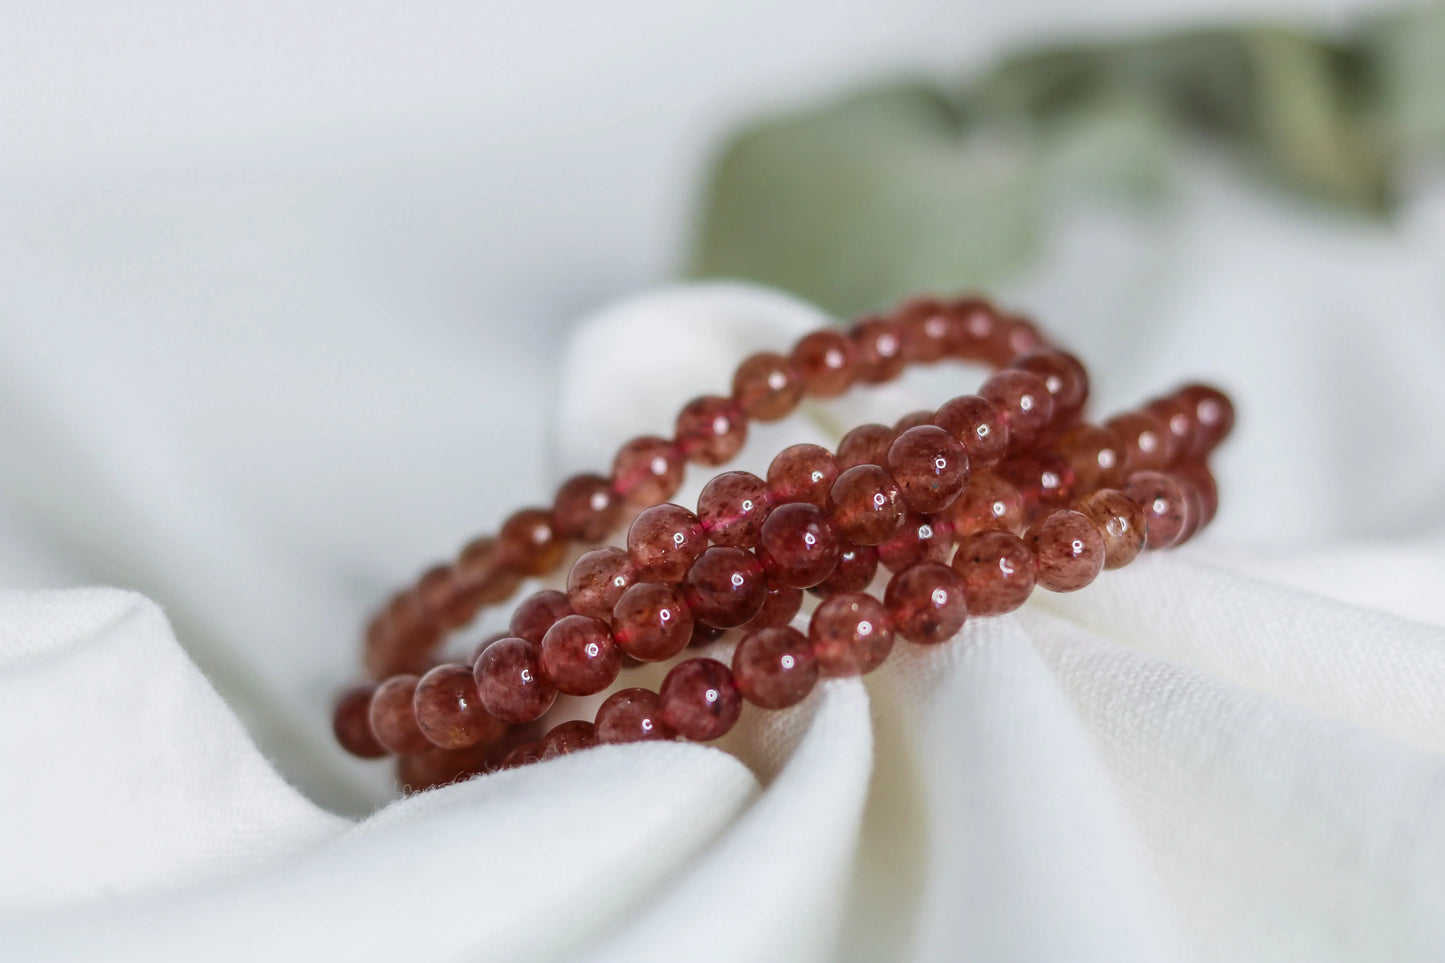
(440, 592)
(393, 719)
(1120, 521)
(767, 387)
(732, 507)
(867, 504)
(568, 737)
(988, 501)
(857, 565)
(449, 711)
(978, 426)
(775, 668)
(1096, 456)
(647, 470)
(510, 682)
(1205, 485)
(440, 767)
(851, 633)
(798, 545)
(664, 541)
(1213, 416)
(1177, 420)
(597, 580)
(1069, 548)
(930, 466)
(1148, 445)
(975, 327)
(652, 621)
(538, 613)
(704, 634)
(700, 700)
(631, 715)
(530, 544)
(998, 571)
(920, 537)
(484, 578)
(586, 508)
(725, 587)
(879, 346)
(779, 606)
(1062, 374)
(1024, 403)
(826, 362)
(351, 722)
(927, 330)
(711, 430)
(865, 445)
(802, 473)
(523, 754)
(579, 656)
(1166, 513)
(1044, 480)
(1020, 336)
(925, 603)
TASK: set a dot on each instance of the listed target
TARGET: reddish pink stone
(732, 507)
(802, 473)
(865, 445)
(351, 722)
(1024, 403)
(568, 737)
(912, 420)
(930, 466)
(652, 621)
(827, 363)
(579, 656)
(1213, 417)
(647, 470)
(725, 587)
(524, 754)
(1096, 456)
(1166, 513)
(664, 541)
(775, 668)
(987, 502)
(1148, 445)
(867, 504)
(510, 681)
(978, 426)
(587, 508)
(1044, 479)
(393, 720)
(1206, 487)
(779, 607)
(925, 603)
(927, 330)
(975, 327)
(1069, 548)
(767, 386)
(851, 634)
(998, 571)
(1121, 523)
(631, 715)
(879, 346)
(449, 710)
(920, 537)
(857, 565)
(597, 580)
(1177, 420)
(711, 430)
(538, 613)
(529, 542)
(440, 767)
(1062, 374)
(700, 700)
(798, 545)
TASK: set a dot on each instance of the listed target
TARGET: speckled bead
(652, 621)
(538, 613)
(586, 508)
(1062, 374)
(1096, 455)
(775, 668)
(919, 538)
(1164, 506)
(393, 719)
(978, 426)
(767, 387)
(826, 362)
(857, 565)
(802, 473)
(664, 541)
(351, 723)
(711, 430)
(597, 580)
(579, 656)
(449, 711)
(1120, 521)
(798, 545)
(925, 603)
(648, 470)
(1024, 403)
(732, 507)
(998, 571)
(1148, 445)
(930, 466)
(988, 502)
(1069, 548)
(780, 605)
(867, 504)
(878, 343)
(1043, 479)
(912, 420)
(631, 715)
(700, 700)
(566, 738)
(510, 681)
(865, 445)
(725, 587)
(851, 634)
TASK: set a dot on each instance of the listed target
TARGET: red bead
(978, 426)
(538, 613)
(510, 681)
(1020, 337)
(930, 466)
(568, 737)
(857, 565)
(826, 362)
(586, 508)
(647, 470)
(440, 592)
(779, 607)
(652, 621)
(1044, 480)
(579, 656)
(1213, 417)
(522, 755)
(664, 541)
(925, 603)
(351, 722)
(529, 542)
(1096, 456)
(802, 473)
(725, 587)
(1148, 445)
(865, 445)
(449, 711)
(700, 700)
(485, 580)
(732, 507)
(631, 715)
(711, 430)
(1205, 485)
(393, 720)
(1069, 549)
(1024, 403)
(912, 420)
(798, 545)
(767, 387)
(998, 571)
(867, 504)
(988, 501)
(597, 580)
(1062, 374)
(1166, 513)
(879, 346)
(920, 537)
(851, 635)
(1177, 420)
(975, 328)
(1121, 523)
(440, 767)
(775, 668)
(927, 330)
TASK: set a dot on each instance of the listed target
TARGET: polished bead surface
(652, 621)
(912, 420)
(1177, 420)
(1213, 416)
(1148, 446)
(393, 719)
(351, 723)
(1120, 521)
(725, 587)
(440, 767)
(568, 737)
(920, 537)
(925, 603)
(775, 668)
(700, 700)
(1069, 548)
(631, 715)
(865, 445)
(798, 545)
(1166, 513)
(440, 591)
(802, 473)
(1044, 480)
(851, 633)
(767, 386)
(988, 501)
(780, 605)
(998, 571)
(867, 504)
(510, 682)
(711, 430)
(975, 327)
(1096, 456)
(586, 508)
(537, 613)
(449, 711)
(597, 580)
(930, 467)
(530, 544)
(826, 362)
(485, 579)
(1020, 336)
(1023, 402)
(927, 330)
(1062, 374)
(878, 343)
(664, 541)
(1206, 487)
(732, 507)
(857, 565)
(579, 656)
(978, 426)
(647, 470)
